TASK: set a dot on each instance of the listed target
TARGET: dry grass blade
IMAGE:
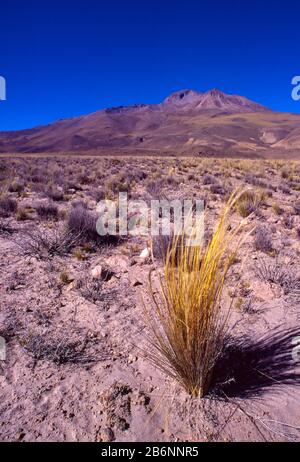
(45, 244)
(188, 324)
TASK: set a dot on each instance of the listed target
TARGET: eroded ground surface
(76, 369)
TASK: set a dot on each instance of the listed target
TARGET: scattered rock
(107, 435)
(96, 272)
(71, 286)
(132, 359)
(118, 262)
(145, 254)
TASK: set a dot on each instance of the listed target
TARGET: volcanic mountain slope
(185, 123)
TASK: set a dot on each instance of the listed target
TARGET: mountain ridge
(187, 122)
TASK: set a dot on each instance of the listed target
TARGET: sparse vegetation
(297, 208)
(23, 214)
(189, 325)
(60, 351)
(7, 206)
(262, 239)
(55, 194)
(277, 209)
(47, 211)
(45, 244)
(64, 278)
(58, 273)
(247, 203)
(274, 272)
(16, 187)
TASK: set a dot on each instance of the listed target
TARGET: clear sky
(66, 58)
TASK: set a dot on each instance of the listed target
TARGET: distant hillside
(185, 123)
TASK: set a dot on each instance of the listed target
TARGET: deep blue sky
(64, 58)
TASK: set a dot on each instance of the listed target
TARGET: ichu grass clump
(247, 203)
(188, 323)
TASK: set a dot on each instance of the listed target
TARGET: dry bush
(55, 194)
(118, 183)
(285, 173)
(277, 209)
(288, 221)
(283, 188)
(262, 239)
(94, 290)
(81, 221)
(188, 324)
(44, 244)
(91, 289)
(251, 179)
(217, 189)
(47, 211)
(16, 187)
(161, 246)
(155, 187)
(7, 206)
(97, 194)
(84, 223)
(60, 350)
(247, 203)
(209, 179)
(5, 228)
(275, 273)
(297, 208)
(23, 214)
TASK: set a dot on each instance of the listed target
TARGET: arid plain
(73, 304)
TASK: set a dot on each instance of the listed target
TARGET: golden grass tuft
(248, 202)
(187, 323)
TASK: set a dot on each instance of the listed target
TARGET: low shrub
(16, 187)
(188, 325)
(297, 207)
(55, 194)
(262, 239)
(83, 223)
(277, 209)
(247, 203)
(47, 211)
(23, 214)
(7, 206)
(44, 244)
(209, 179)
(217, 189)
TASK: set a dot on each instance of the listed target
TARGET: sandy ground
(75, 367)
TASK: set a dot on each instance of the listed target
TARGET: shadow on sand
(248, 368)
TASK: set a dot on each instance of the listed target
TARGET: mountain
(190, 100)
(186, 123)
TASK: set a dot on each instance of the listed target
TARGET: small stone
(136, 283)
(71, 286)
(96, 272)
(145, 253)
(107, 435)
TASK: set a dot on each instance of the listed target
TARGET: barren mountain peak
(187, 121)
(215, 92)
